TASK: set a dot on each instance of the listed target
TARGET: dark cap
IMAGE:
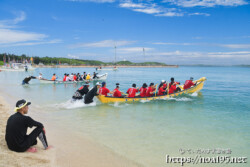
(103, 83)
(172, 79)
(191, 78)
(21, 103)
(134, 85)
(151, 84)
(144, 85)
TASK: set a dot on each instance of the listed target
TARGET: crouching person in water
(78, 95)
(88, 98)
(27, 79)
(16, 130)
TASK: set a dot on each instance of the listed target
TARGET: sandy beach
(69, 150)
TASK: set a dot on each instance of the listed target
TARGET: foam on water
(73, 104)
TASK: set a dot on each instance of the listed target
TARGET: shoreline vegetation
(67, 62)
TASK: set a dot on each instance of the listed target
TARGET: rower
(117, 92)
(132, 91)
(40, 76)
(64, 78)
(88, 77)
(83, 90)
(53, 77)
(143, 90)
(95, 75)
(68, 78)
(27, 79)
(88, 98)
(161, 90)
(103, 90)
(172, 86)
(84, 75)
(150, 90)
(189, 83)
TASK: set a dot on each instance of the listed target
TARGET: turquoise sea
(218, 117)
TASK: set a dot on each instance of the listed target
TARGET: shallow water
(216, 117)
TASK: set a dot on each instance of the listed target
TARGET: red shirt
(165, 85)
(104, 91)
(64, 78)
(131, 92)
(143, 92)
(74, 77)
(149, 90)
(172, 89)
(161, 91)
(188, 84)
(117, 93)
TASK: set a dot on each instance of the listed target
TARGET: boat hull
(196, 88)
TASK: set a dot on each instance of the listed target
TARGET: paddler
(88, 77)
(116, 91)
(103, 90)
(83, 90)
(189, 83)
(40, 76)
(95, 75)
(150, 90)
(172, 86)
(143, 90)
(27, 79)
(132, 91)
(88, 98)
(53, 77)
(65, 77)
(16, 130)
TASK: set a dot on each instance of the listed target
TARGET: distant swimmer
(189, 83)
(27, 79)
(78, 95)
(53, 77)
(88, 98)
(16, 130)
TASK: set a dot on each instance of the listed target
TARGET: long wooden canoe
(196, 88)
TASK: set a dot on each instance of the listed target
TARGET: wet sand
(69, 149)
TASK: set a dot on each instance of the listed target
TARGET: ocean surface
(217, 118)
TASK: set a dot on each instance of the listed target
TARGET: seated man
(189, 83)
(81, 92)
(132, 91)
(150, 90)
(103, 90)
(95, 75)
(117, 92)
(16, 130)
(172, 86)
(53, 77)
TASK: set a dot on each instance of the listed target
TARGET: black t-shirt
(16, 129)
(90, 95)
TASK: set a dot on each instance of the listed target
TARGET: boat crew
(95, 75)
(88, 77)
(161, 90)
(132, 91)
(74, 77)
(16, 130)
(88, 98)
(103, 90)
(65, 77)
(68, 78)
(150, 90)
(189, 83)
(116, 91)
(27, 79)
(53, 77)
(71, 77)
(83, 90)
(172, 86)
(162, 82)
(40, 76)
(143, 90)
(84, 75)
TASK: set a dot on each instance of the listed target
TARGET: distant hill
(76, 62)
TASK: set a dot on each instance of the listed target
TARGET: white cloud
(151, 8)
(237, 46)
(206, 3)
(73, 56)
(133, 50)
(12, 36)
(198, 14)
(96, 1)
(102, 44)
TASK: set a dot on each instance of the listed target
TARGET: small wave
(70, 104)
(195, 94)
(117, 104)
(180, 99)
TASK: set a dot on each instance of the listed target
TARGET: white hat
(162, 81)
(97, 83)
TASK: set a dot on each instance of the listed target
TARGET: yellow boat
(196, 88)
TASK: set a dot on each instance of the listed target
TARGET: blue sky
(171, 31)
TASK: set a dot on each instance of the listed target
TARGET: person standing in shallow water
(16, 130)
